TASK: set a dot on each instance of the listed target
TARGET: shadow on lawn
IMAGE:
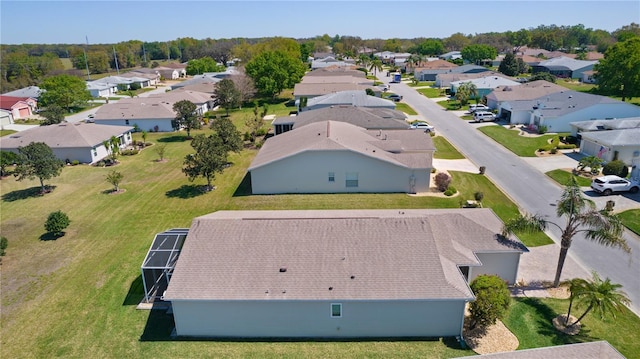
(50, 236)
(136, 292)
(244, 188)
(26, 193)
(173, 139)
(186, 191)
(546, 328)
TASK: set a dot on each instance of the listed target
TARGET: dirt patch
(558, 323)
(494, 339)
(559, 293)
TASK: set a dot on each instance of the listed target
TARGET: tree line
(28, 64)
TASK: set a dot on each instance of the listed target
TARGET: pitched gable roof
(359, 254)
(65, 135)
(403, 148)
(526, 91)
(365, 117)
(624, 137)
(357, 98)
(8, 102)
(563, 63)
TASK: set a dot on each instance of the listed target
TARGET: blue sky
(115, 21)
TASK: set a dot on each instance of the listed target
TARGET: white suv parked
(610, 184)
(481, 116)
(478, 107)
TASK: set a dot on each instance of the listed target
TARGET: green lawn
(76, 296)
(445, 150)
(451, 105)
(6, 132)
(530, 320)
(631, 219)
(576, 85)
(401, 106)
(520, 145)
(432, 92)
(422, 83)
(563, 176)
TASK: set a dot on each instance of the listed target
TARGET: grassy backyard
(431, 92)
(563, 176)
(76, 296)
(520, 145)
(530, 320)
(631, 219)
(403, 107)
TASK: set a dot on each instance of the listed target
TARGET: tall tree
(186, 116)
(202, 65)
(228, 133)
(465, 92)
(478, 53)
(210, 157)
(245, 86)
(519, 38)
(601, 295)
(7, 159)
(456, 41)
(375, 66)
(37, 160)
(226, 94)
(65, 91)
(509, 65)
(52, 115)
(274, 71)
(581, 216)
(619, 72)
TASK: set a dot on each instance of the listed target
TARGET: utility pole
(144, 53)
(86, 61)
(115, 57)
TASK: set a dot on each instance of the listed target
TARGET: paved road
(533, 191)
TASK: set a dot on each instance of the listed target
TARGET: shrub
(129, 152)
(566, 146)
(450, 191)
(478, 196)
(56, 222)
(542, 129)
(4, 243)
(492, 300)
(554, 150)
(75, 162)
(433, 170)
(442, 181)
(100, 164)
(617, 168)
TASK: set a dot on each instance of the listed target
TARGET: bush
(56, 222)
(478, 196)
(492, 300)
(129, 152)
(4, 243)
(554, 150)
(617, 168)
(542, 129)
(450, 191)
(442, 181)
(100, 164)
(566, 146)
(75, 162)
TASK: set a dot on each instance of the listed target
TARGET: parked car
(422, 126)
(611, 184)
(395, 97)
(482, 116)
(478, 107)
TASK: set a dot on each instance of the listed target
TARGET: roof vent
(353, 277)
(283, 269)
(330, 288)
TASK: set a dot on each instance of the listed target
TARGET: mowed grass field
(76, 296)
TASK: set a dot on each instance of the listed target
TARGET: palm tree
(603, 296)
(414, 60)
(581, 215)
(364, 60)
(375, 66)
(577, 286)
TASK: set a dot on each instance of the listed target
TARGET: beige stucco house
(338, 157)
(335, 273)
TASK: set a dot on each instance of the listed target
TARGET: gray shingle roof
(153, 107)
(360, 254)
(31, 91)
(526, 91)
(565, 63)
(625, 137)
(357, 98)
(404, 148)
(365, 117)
(592, 350)
(608, 124)
(64, 135)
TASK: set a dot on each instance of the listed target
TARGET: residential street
(533, 191)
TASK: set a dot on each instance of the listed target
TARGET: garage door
(590, 148)
(24, 112)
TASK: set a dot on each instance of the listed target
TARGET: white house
(71, 141)
(623, 145)
(338, 157)
(153, 113)
(335, 273)
(526, 91)
(557, 110)
(484, 85)
(357, 98)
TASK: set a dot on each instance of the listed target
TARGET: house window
(95, 152)
(126, 122)
(352, 179)
(332, 176)
(336, 310)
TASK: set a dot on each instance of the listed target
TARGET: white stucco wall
(617, 110)
(308, 172)
(625, 153)
(503, 264)
(164, 125)
(291, 319)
